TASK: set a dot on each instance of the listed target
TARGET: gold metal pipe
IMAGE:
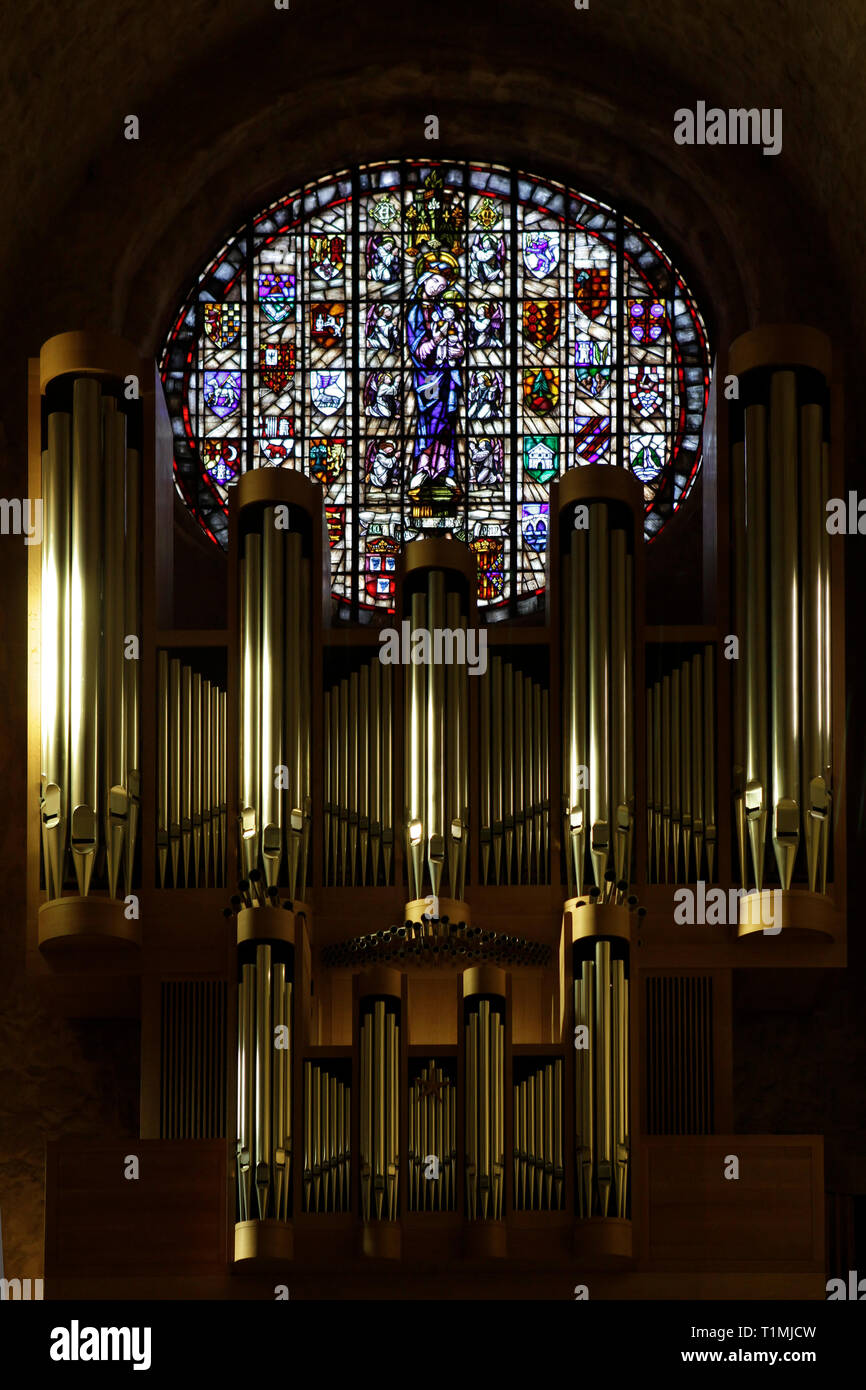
(484, 760)
(518, 1144)
(186, 773)
(115, 800)
(589, 1132)
(240, 1160)
(264, 1045)
(463, 751)
(343, 798)
(175, 767)
(287, 1021)
(317, 1137)
(498, 1155)
(506, 768)
(207, 758)
(366, 1116)
(195, 816)
(352, 759)
(578, 740)
(392, 1170)
(337, 753)
(710, 829)
(603, 1073)
(528, 775)
(558, 1156)
(412, 1145)
(472, 1115)
(697, 693)
(417, 754)
(278, 1121)
(738, 507)
(496, 734)
(599, 692)
(375, 764)
(544, 790)
(272, 715)
(332, 1143)
(453, 740)
(537, 793)
(435, 728)
(55, 703)
(540, 1138)
(452, 1125)
(816, 800)
(344, 1106)
(424, 1125)
(676, 776)
(245, 1086)
(618, 1046)
(757, 779)
(619, 708)
(85, 621)
(308, 1134)
(223, 804)
(327, 763)
(387, 781)
(666, 773)
(517, 775)
(531, 1144)
(579, 1099)
(131, 668)
(325, 1136)
(825, 668)
(652, 864)
(629, 708)
(249, 979)
(657, 775)
(294, 733)
(163, 764)
(484, 1108)
(686, 761)
(251, 702)
(380, 1105)
(548, 1134)
(784, 627)
(363, 756)
(306, 724)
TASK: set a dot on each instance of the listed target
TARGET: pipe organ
(445, 894)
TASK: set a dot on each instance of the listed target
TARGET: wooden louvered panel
(679, 1054)
(193, 1059)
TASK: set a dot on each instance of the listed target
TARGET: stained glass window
(434, 343)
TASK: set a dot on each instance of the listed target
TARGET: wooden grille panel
(193, 1059)
(679, 1054)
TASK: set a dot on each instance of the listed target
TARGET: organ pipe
(781, 697)
(274, 757)
(90, 608)
(597, 640)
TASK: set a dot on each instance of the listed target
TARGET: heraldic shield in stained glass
(434, 344)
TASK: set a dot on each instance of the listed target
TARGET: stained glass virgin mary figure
(437, 346)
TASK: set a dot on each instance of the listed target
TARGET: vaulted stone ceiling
(238, 101)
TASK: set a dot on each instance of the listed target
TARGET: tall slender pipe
(784, 624)
(757, 788)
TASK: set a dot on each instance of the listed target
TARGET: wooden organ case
(424, 1003)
